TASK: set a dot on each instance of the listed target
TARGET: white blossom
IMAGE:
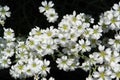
(4, 12)
(51, 15)
(44, 69)
(84, 45)
(46, 6)
(97, 32)
(64, 63)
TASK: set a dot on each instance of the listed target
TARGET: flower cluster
(104, 63)
(7, 48)
(49, 11)
(30, 53)
(30, 67)
(76, 38)
(4, 12)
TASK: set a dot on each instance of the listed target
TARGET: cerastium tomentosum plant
(75, 37)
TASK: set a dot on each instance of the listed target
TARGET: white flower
(115, 43)
(116, 72)
(63, 39)
(74, 19)
(46, 6)
(84, 45)
(115, 23)
(73, 35)
(92, 60)
(113, 58)
(64, 63)
(14, 74)
(17, 70)
(102, 23)
(21, 46)
(31, 42)
(74, 64)
(44, 69)
(8, 52)
(73, 47)
(34, 65)
(87, 33)
(81, 16)
(50, 32)
(5, 62)
(36, 32)
(85, 66)
(64, 26)
(97, 32)
(9, 34)
(116, 8)
(112, 19)
(80, 28)
(100, 58)
(39, 49)
(49, 46)
(4, 11)
(102, 74)
(22, 55)
(49, 12)
(51, 15)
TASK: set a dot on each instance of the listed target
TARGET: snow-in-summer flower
(115, 43)
(51, 15)
(44, 69)
(4, 12)
(84, 45)
(46, 6)
(5, 62)
(102, 74)
(64, 63)
(49, 11)
(97, 32)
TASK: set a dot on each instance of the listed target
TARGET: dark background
(25, 15)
